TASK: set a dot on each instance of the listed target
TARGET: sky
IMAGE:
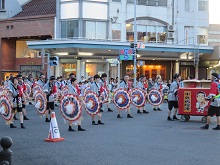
(214, 11)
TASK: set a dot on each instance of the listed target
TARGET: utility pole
(48, 66)
(42, 56)
(135, 42)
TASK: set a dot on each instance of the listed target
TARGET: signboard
(141, 63)
(126, 51)
(140, 45)
(112, 61)
(126, 57)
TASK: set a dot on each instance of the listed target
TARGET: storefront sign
(187, 63)
(112, 61)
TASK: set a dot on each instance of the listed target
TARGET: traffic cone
(54, 133)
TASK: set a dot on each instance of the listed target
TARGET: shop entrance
(150, 71)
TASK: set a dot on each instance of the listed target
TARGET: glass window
(116, 0)
(116, 31)
(130, 1)
(161, 34)
(2, 4)
(141, 2)
(202, 5)
(152, 2)
(202, 36)
(151, 34)
(69, 29)
(63, 29)
(189, 35)
(101, 30)
(129, 32)
(162, 3)
(95, 30)
(116, 34)
(90, 29)
(186, 5)
(141, 36)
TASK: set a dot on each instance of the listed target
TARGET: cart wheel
(204, 119)
(183, 118)
(187, 117)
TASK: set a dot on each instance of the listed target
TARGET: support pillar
(107, 71)
(197, 71)
(177, 67)
(78, 69)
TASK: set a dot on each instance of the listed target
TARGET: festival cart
(192, 99)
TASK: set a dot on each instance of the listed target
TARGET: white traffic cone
(54, 133)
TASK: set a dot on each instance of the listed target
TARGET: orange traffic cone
(54, 133)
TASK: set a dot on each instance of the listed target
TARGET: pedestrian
(214, 108)
(172, 97)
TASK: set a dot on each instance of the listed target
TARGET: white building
(89, 32)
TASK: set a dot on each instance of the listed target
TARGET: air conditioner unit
(171, 35)
(171, 28)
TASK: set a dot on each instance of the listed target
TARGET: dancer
(103, 82)
(24, 89)
(157, 86)
(17, 94)
(50, 90)
(73, 89)
(96, 87)
(125, 84)
(141, 85)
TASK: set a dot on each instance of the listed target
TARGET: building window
(189, 35)
(186, 5)
(2, 4)
(149, 34)
(162, 2)
(214, 32)
(150, 2)
(69, 29)
(202, 36)
(116, 31)
(95, 30)
(130, 1)
(202, 5)
(214, 40)
(116, 0)
(161, 34)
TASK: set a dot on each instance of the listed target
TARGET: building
(214, 40)
(88, 33)
(32, 20)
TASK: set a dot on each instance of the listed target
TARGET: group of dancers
(22, 91)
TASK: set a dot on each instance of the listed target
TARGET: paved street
(145, 139)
